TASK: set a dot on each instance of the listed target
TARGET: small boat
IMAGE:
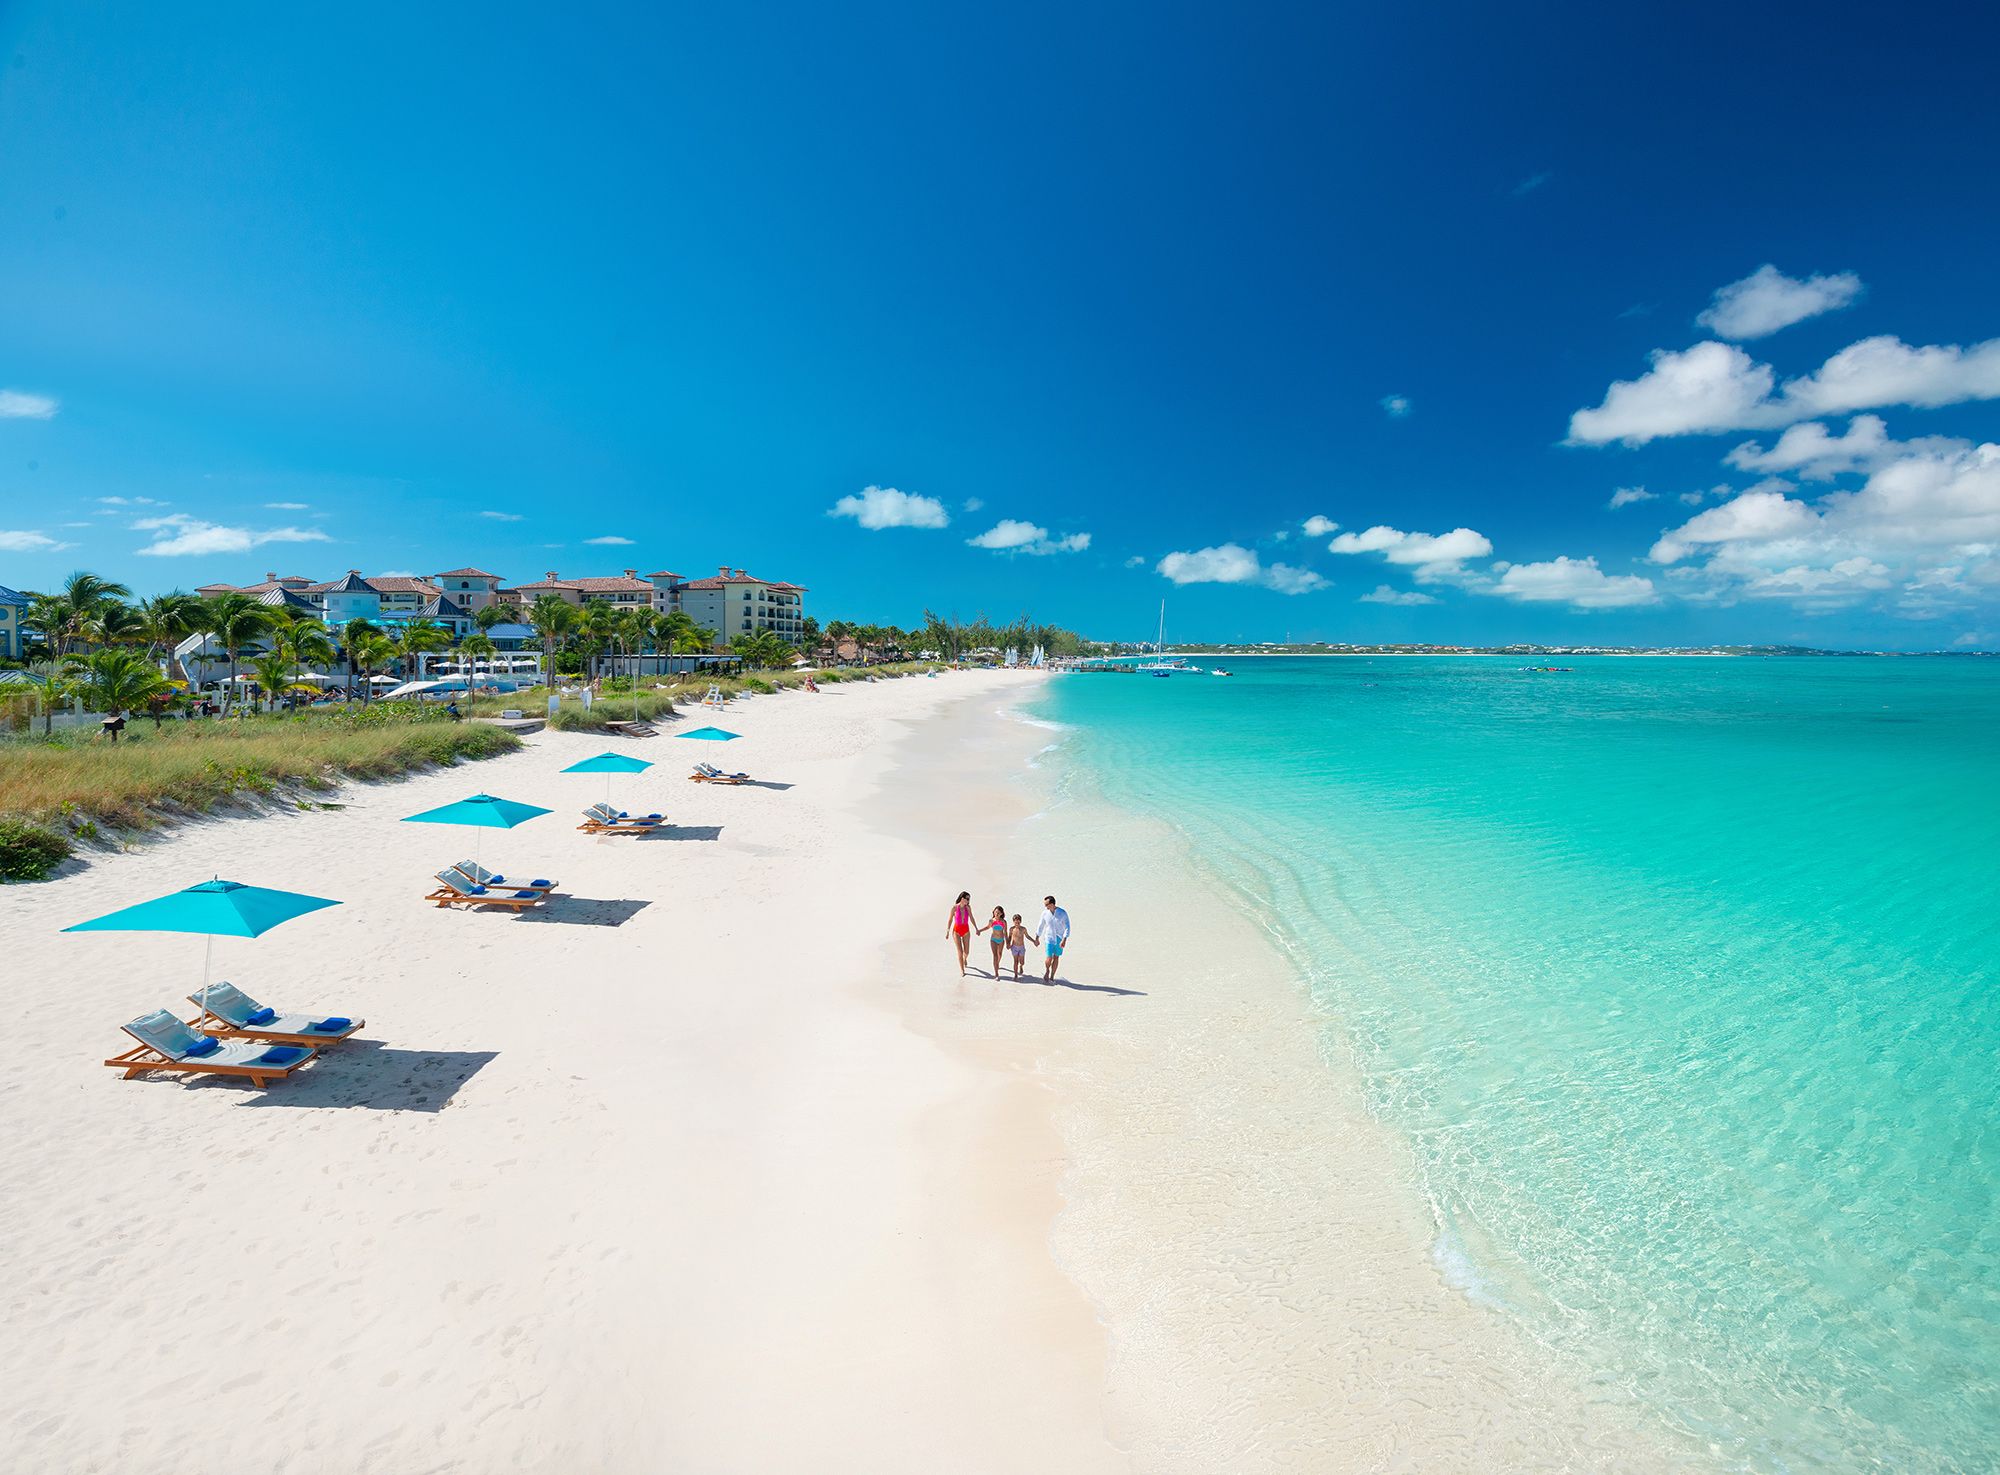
(1161, 665)
(1218, 671)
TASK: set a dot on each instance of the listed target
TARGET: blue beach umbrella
(608, 764)
(711, 735)
(482, 812)
(212, 908)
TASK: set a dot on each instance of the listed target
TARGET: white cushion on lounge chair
(168, 1035)
(226, 1002)
(161, 1030)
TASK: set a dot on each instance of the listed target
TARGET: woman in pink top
(959, 928)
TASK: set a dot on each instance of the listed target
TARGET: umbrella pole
(207, 954)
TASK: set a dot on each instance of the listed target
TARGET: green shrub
(29, 852)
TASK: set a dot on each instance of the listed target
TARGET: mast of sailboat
(1160, 644)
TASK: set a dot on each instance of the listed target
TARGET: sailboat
(1160, 665)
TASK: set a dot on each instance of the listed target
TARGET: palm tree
(763, 649)
(303, 643)
(114, 681)
(112, 623)
(53, 615)
(165, 621)
(598, 622)
(274, 674)
(234, 620)
(351, 635)
(552, 618)
(489, 615)
(369, 654)
(414, 641)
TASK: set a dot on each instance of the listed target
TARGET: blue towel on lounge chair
(281, 1055)
(333, 1025)
(262, 1016)
(542, 883)
(207, 1045)
(527, 896)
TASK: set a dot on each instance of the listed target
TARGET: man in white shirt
(1053, 934)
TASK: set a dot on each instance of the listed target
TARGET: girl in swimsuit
(1017, 943)
(996, 925)
(958, 927)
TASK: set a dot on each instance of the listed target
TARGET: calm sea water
(1679, 975)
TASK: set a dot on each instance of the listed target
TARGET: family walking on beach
(1051, 934)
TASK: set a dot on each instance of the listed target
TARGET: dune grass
(79, 782)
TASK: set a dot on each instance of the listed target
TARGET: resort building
(731, 603)
(13, 610)
(735, 603)
(469, 588)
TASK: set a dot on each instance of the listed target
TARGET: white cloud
(1626, 496)
(287, 506)
(397, 573)
(180, 534)
(885, 507)
(973, 504)
(1711, 386)
(1318, 527)
(1887, 371)
(1717, 386)
(1532, 183)
(1971, 638)
(608, 541)
(1010, 535)
(1574, 581)
(500, 516)
(1137, 560)
(130, 502)
(1925, 524)
(25, 540)
(16, 404)
(1755, 515)
(1232, 563)
(1433, 555)
(1768, 300)
(1385, 595)
(1396, 405)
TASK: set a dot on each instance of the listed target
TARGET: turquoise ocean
(1679, 977)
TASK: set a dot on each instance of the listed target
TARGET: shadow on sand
(686, 832)
(584, 911)
(1035, 980)
(370, 1075)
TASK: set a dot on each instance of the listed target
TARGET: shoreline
(1254, 1240)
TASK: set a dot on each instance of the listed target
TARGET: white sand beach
(716, 1165)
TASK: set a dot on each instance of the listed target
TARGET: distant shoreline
(1723, 653)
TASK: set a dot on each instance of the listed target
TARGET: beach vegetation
(190, 767)
(30, 852)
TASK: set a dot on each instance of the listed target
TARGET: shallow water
(1679, 977)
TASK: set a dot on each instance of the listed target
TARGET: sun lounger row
(708, 773)
(233, 1035)
(602, 819)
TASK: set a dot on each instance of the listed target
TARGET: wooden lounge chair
(456, 890)
(708, 773)
(478, 875)
(165, 1043)
(229, 1012)
(602, 819)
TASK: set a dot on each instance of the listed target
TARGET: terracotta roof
(465, 573)
(716, 581)
(541, 584)
(620, 584)
(215, 589)
(394, 584)
(664, 574)
(791, 588)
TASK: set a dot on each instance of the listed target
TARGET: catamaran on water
(1160, 665)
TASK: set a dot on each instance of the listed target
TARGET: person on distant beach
(1053, 934)
(958, 927)
(996, 928)
(1017, 943)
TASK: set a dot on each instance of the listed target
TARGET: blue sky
(411, 287)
